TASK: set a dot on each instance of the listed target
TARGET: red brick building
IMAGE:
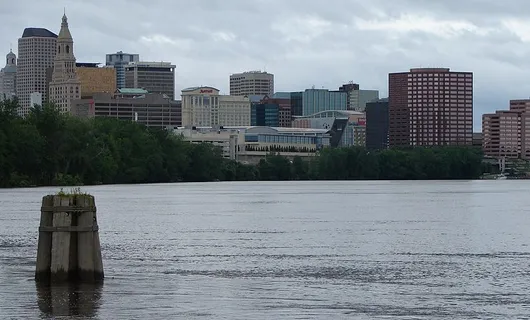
(429, 107)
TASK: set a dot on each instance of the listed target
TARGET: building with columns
(65, 85)
(205, 107)
(8, 76)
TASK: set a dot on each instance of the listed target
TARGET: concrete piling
(69, 248)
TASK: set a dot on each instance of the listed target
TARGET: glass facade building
(317, 100)
(267, 115)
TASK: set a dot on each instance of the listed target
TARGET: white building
(231, 142)
(8, 76)
(252, 83)
(205, 107)
(35, 98)
(36, 52)
(65, 86)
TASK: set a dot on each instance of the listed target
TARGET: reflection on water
(285, 250)
(69, 300)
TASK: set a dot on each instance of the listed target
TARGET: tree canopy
(50, 148)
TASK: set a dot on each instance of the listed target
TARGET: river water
(286, 250)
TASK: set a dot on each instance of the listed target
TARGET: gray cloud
(303, 42)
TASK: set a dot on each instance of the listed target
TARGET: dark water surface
(286, 250)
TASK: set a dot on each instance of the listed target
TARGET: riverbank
(48, 148)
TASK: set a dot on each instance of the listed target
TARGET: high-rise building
(429, 107)
(357, 98)
(36, 53)
(377, 124)
(8, 76)
(205, 107)
(317, 100)
(155, 77)
(506, 133)
(119, 60)
(65, 85)
(252, 83)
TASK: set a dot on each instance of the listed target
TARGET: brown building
(94, 79)
(429, 107)
(506, 133)
(284, 112)
(152, 110)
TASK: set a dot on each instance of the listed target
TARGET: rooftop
(38, 32)
(132, 91)
(87, 64)
(197, 88)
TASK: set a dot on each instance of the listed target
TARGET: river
(286, 250)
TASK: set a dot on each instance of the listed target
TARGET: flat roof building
(204, 106)
(152, 110)
(155, 77)
(430, 107)
(252, 83)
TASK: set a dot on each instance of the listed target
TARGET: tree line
(48, 148)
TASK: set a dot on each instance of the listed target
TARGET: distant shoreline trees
(48, 148)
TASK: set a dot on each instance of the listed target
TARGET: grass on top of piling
(74, 192)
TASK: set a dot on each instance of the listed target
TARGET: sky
(304, 43)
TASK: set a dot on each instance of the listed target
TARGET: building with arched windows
(65, 85)
(8, 77)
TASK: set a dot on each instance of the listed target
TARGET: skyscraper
(357, 98)
(252, 83)
(119, 60)
(36, 51)
(8, 77)
(155, 77)
(429, 107)
(377, 124)
(65, 85)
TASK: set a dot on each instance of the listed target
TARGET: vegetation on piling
(49, 148)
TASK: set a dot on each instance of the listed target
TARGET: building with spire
(65, 85)
(36, 51)
(8, 76)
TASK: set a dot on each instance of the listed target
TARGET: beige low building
(94, 79)
(231, 142)
(248, 144)
(205, 107)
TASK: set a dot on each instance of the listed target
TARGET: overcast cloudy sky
(303, 42)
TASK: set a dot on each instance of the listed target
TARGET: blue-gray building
(119, 60)
(265, 114)
(377, 122)
(317, 100)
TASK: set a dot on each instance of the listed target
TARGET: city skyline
(314, 44)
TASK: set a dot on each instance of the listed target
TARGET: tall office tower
(8, 76)
(429, 107)
(377, 124)
(358, 98)
(36, 52)
(252, 83)
(119, 60)
(65, 85)
(155, 77)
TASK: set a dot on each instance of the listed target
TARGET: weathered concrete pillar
(69, 248)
